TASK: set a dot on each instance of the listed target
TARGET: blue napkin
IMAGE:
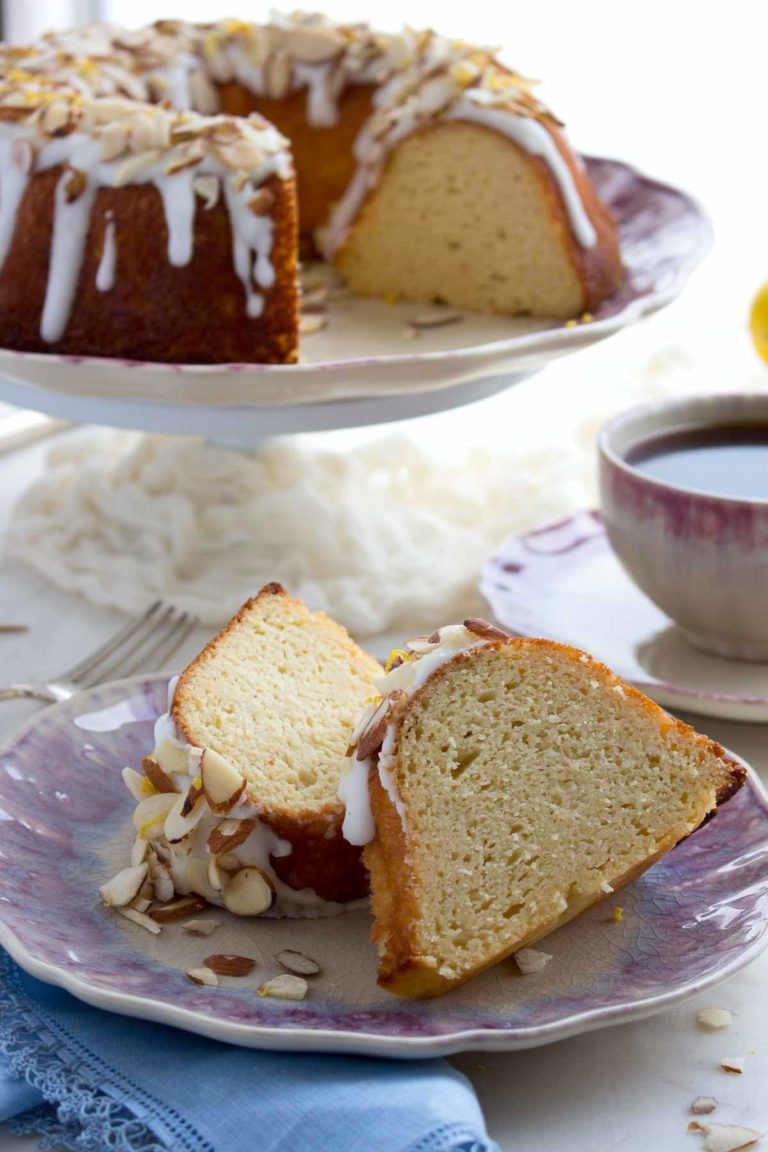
(89, 1081)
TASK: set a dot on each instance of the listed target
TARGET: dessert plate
(362, 361)
(695, 918)
(563, 581)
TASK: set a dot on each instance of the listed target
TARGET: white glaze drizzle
(105, 274)
(354, 791)
(252, 234)
(70, 232)
(13, 185)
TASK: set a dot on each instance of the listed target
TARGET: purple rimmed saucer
(696, 917)
(563, 581)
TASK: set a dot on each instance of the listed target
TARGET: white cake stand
(367, 366)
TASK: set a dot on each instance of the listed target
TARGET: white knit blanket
(384, 530)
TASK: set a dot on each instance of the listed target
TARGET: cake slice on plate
(238, 800)
(512, 784)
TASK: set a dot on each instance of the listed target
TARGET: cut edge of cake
(395, 857)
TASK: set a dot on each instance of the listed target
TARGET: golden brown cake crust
(155, 311)
(401, 970)
(321, 858)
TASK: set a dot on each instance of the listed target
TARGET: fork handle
(29, 692)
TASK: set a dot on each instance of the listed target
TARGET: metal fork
(153, 637)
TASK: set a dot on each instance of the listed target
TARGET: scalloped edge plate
(363, 356)
(696, 917)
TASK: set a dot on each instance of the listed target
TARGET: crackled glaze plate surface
(361, 362)
(563, 581)
(696, 917)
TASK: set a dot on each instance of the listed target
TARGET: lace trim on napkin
(454, 1138)
(77, 1115)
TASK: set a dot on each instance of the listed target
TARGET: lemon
(758, 322)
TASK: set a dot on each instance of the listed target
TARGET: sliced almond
(725, 1137)
(262, 202)
(530, 960)
(187, 906)
(201, 927)
(703, 1105)
(733, 1064)
(137, 784)
(124, 887)
(208, 188)
(173, 759)
(161, 850)
(162, 881)
(714, 1018)
(202, 976)
(225, 964)
(422, 644)
(149, 815)
(198, 880)
(177, 826)
(313, 45)
(230, 834)
(479, 627)
(440, 318)
(140, 918)
(156, 776)
(372, 737)
(277, 76)
(297, 962)
(284, 987)
(311, 323)
(248, 892)
(194, 793)
(223, 785)
(75, 181)
(138, 851)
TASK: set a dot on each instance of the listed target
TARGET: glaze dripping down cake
(156, 186)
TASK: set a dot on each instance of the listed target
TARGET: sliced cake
(512, 783)
(238, 799)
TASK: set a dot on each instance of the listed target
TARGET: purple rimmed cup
(702, 558)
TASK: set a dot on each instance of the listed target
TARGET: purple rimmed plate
(361, 361)
(695, 918)
(563, 581)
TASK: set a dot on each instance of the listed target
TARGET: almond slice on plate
(137, 784)
(184, 907)
(137, 917)
(297, 962)
(124, 887)
(223, 785)
(733, 1064)
(202, 976)
(530, 960)
(226, 964)
(703, 1105)
(248, 892)
(201, 927)
(284, 987)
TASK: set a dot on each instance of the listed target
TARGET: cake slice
(238, 802)
(513, 783)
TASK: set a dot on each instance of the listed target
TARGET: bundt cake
(238, 799)
(148, 196)
(504, 785)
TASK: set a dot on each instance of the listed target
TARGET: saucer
(564, 582)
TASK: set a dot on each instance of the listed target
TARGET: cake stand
(374, 362)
